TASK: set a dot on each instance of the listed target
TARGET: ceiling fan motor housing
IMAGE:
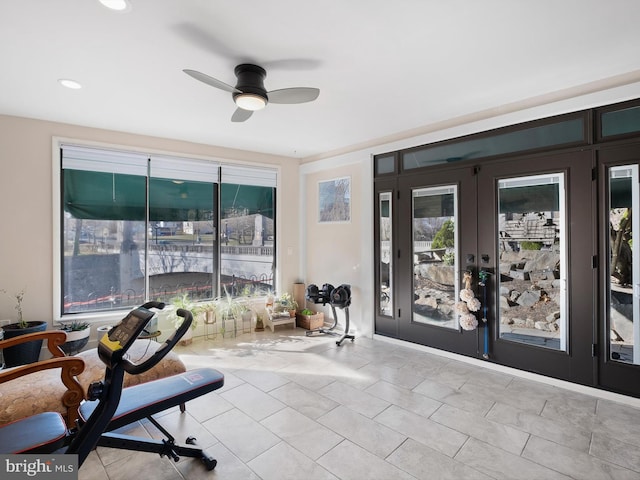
(251, 80)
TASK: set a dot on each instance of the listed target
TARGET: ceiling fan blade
(293, 95)
(241, 115)
(211, 81)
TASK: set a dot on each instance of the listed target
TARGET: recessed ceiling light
(66, 82)
(119, 5)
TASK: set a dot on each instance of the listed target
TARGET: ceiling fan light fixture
(250, 101)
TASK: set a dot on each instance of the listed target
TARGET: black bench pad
(40, 433)
(140, 401)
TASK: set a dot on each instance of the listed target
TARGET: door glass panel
(386, 258)
(434, 233)
(532, 252)
(624, 267)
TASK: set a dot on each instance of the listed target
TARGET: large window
(247, 229)
(145, 227)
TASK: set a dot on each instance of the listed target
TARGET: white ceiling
(383, 67)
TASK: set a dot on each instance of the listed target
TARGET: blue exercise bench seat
(41, 433)
(146, 399)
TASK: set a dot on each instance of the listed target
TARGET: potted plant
(229, 310)
(259, 323)
(309, 320)
(27, 352)
(285, 303)
(77, 336)
(185, 303)
(207, 311)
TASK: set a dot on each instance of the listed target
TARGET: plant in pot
(226, 313)
(259, 323)
(230, 310)
(285, 303)
(27, 352)
(207, 311)
(185, 303)
(77, 336)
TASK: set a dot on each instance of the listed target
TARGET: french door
(536, 237)
(520, 235)
(436, 246)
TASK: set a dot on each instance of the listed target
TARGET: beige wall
(26, 241)
(338, 253)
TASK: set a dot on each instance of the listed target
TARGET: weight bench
(109, 406)
(46, 432)
(144, 400)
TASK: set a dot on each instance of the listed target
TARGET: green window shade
(246, 200)
(534, 198)
(104, 196)
(180, 201)
(440, 204)
(620, 192)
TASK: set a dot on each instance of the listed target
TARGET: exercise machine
(110, 407)
(336, 297)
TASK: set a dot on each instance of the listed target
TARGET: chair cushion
(32, 394)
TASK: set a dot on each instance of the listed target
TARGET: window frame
(274, 175)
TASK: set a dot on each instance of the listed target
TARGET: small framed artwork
(334, 200)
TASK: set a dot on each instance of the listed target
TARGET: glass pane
(435, 255)
(247, 236)
(182, 239)
(386, 258)
(385, 164)
(621, 121)
(532, 249)
(103, 241)
(561, 133)
(624, 268)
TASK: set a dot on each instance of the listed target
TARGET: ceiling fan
(249, 93)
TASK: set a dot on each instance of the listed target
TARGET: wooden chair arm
(54, 339)
(70, 367)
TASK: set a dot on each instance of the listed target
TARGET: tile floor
(297, 407)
